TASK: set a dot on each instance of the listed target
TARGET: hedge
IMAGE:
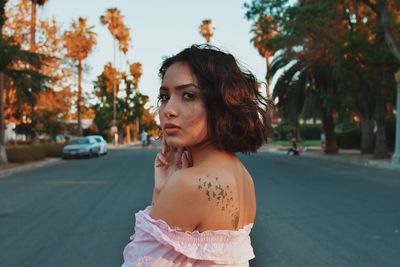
(33, 152)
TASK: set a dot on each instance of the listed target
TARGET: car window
(98, 139)
(79, 141)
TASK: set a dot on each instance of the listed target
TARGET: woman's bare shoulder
(217, 198)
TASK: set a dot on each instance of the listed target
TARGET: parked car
(103, 143)
(85, 146)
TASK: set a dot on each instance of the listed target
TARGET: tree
(264, 31)
(34, 5)
(115, 24)
(79, 42)
(304, 40)
(136, 71)
(207, 30)
(130, 106)
(14, 72)
(49, 43)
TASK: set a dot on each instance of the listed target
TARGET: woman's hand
(167, 162)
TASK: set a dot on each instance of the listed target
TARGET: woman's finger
(163, 146)
(178, 154)
(185, 161)
(189, 157)
(160, 158)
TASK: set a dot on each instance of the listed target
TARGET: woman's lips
(171, 129)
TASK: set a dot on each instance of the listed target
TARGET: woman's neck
(201, 152)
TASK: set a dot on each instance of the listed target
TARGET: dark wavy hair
(237, 114)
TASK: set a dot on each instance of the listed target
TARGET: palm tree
(115, 24)
(207, 30)
(136, 71)
(35, 3)
(264, 31)
(79, 42)
(306, 89)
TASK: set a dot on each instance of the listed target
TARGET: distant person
(204, 201)
(148, 140)
(293, 151)
(143, 138)
(323, 140)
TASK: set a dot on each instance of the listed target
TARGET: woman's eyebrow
(181, 87)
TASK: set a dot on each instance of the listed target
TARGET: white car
(81, 147)
(103, 143)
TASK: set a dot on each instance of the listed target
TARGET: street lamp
(396, 155)
(207, 30)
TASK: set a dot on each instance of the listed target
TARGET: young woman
(204, 202)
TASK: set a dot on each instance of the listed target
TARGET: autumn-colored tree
(130, 107)
(48, 42)
(79, 42)
(14, 73)
(136, 71)
(51, 110)
(114, 21)
(206, 30)
(34, 5)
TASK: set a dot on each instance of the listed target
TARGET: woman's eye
(188, 96)
(163, 98)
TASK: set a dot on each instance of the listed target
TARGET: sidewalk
(348, 156)
(12, 168)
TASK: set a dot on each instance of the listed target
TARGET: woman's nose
(170, 109)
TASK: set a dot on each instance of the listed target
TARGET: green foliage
(129, 107)
(350, 140)
(331, 58)
(311, 131)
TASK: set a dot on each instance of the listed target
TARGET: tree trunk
(328, 124)
(33, 26)
(367, 135)
(78, 103)
(127, 134)
(3, 154)
(268, 75)
(381, 150)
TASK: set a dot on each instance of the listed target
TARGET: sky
(160, 28)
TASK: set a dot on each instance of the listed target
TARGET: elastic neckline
(246, 228)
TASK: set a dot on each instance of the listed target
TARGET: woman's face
(182, 113)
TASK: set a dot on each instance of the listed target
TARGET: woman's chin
(174, 142)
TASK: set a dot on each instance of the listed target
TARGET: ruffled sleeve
(219, 246)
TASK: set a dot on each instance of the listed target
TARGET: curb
(339, 158)
(29, 166)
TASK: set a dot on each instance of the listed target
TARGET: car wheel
(90, 154)
(98, 153)
(64, 157)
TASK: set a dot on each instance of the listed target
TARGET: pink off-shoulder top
(155, 243)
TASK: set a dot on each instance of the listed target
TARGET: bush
(53, 150)
(311, 131)
(25, 153)
(33, 152)
(350, 140)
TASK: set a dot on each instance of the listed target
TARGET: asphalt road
(80, 213)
